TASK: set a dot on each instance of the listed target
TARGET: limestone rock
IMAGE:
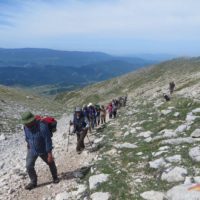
(197, 110)
(194, 154)
(100, 196)
(196, 133)
(2, 137)
(126, 145)
(152, 195)
(177, 174)
(96, 180)
(157, 163)
(175, 158)
(176, 114)
(181, 128)
(183, 192)
(145, 134)
(190, 117)
(165, 112)
(62, 196)
(177, 141)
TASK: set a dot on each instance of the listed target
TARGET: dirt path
(67, 163)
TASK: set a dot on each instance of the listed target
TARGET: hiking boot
(30, 186)
(79, 152)
(56, 180)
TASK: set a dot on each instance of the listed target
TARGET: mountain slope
(150, 151)
(150, 81)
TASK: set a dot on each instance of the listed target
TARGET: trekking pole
(69, 133)
(89, 140)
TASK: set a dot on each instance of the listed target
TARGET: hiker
(86, 114)
(103, 114)
(166, 97)
(125, 99)
(171, 87)
(81, 124)
(91, 113)
(97, 114)
(114, 109)
(39, 143)
(109, 108)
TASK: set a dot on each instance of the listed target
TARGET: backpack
(50, 121)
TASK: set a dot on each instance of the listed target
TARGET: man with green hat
(39, 143)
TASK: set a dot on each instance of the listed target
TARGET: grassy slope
(137, 83)
(29, 100)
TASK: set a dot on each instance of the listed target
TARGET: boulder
(2, 137)
(197, 110)
(145, 134)
(166, 112)
(176, 114)
(174, 159)
(181, 128)
(164, 148)
(81, 189)
(149, 139)
(62, 196)
(190, 118)
(176, 174)
(125, 145)
(100, 196)
(183, 192)
(126, 133)
(157, 163)
(194, 154)
(196, 133)
(152, 195)
(178, 141)
(96, 180)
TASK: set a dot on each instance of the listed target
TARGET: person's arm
(87, 122)
(48, 143)
(26, 138)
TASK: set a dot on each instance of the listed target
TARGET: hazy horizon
(118, 27)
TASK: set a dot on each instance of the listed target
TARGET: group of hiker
(91, 116)
(39, 131)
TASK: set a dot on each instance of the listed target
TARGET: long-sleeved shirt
(80, 123)
(38, 138)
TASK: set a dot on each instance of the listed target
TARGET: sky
(124, 27)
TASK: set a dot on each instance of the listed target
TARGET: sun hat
(27, 117)
(78, 109)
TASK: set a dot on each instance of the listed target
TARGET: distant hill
(65, 78)
(32, 57)
(55, 71)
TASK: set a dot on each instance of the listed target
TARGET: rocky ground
(71, 168)
(149, 152)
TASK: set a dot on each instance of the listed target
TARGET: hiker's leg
(82, 137)
(30, 167)
(78, 148)
(52, 166)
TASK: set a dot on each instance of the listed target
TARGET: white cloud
(144, 19)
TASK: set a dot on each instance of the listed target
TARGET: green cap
(27, 117)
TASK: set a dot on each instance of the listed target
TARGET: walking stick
(89, 140)
(69, 133)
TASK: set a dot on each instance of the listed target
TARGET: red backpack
(50, 121)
